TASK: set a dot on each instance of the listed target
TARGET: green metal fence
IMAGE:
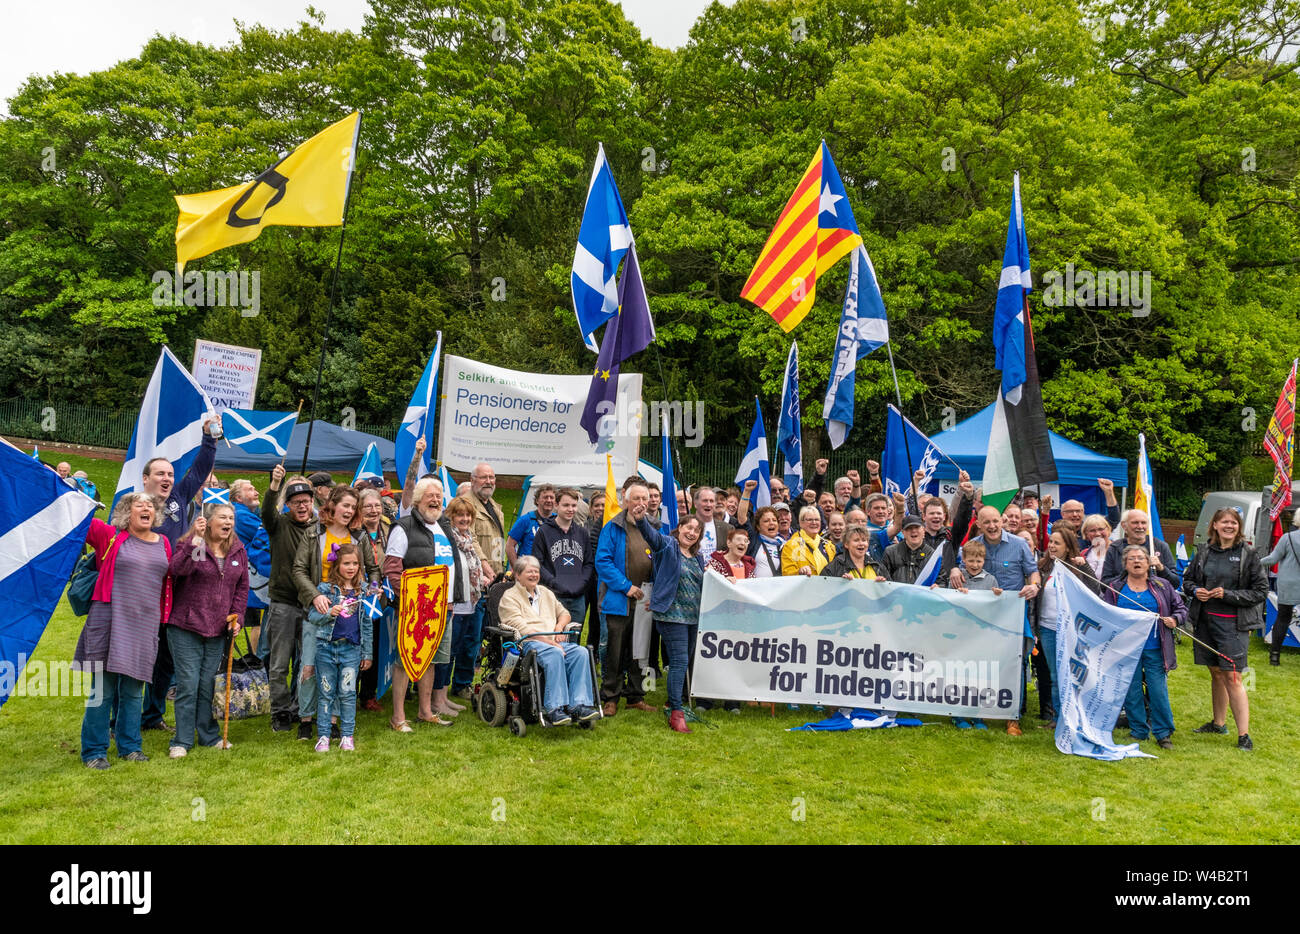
(67, 422)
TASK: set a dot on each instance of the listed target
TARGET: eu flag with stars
(627, 333)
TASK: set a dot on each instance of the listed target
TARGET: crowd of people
(178, 577)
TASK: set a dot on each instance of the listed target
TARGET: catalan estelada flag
(307, 188)
(814, 231)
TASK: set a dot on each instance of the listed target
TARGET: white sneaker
(177, 752)
(219, 744)
(323, 744)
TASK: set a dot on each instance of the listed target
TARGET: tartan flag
(1279, 441)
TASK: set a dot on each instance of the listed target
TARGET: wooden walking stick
(231, 620)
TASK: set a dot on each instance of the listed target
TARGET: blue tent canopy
(968, 443)
(332, 448)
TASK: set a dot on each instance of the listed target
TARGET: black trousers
(1280, 626)
(622, 675)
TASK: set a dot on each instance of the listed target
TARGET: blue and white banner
(259, 432)
(789, 434)
(43, 523)
(170, 423)
(1097, 651)
(856, 643)
(864, 327)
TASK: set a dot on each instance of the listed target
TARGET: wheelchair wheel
(585, 725)
(518, 726)
(492, 704)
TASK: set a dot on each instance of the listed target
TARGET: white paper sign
(228, 374)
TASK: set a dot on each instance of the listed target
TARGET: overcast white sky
(45, 36)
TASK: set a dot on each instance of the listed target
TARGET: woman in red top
(734, 562)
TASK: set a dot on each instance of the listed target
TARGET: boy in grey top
(976, 578)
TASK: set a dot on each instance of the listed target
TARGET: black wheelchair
(517, 699)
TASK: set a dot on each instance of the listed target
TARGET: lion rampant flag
(307, 188)
(1279, 441)
(814, 231)
(421, 617)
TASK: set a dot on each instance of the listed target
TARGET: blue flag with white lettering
(864, 327)
(789, 434)
(898, 462)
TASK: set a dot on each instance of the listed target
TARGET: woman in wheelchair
(534, 614)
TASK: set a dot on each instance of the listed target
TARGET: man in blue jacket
(623, 565)
(257, 544)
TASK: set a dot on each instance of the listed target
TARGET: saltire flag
(1180, 557)
(857, 719)
(630, 331)
(669, 490)
(215, 494)
(1144, 497)
(36, 452)
(864, 327)
(370, 604)
(815, 230)
(170, 423)
(604, 237)
(1097, 651)
(259, 432)
(929, 573)
(1279, 441)
(1020, 449)
(43, 524)
(789, 434)
(418, 420)
(448, 486)
(754, 465)
(920, 452)
(611, 490)
(371, 467)
(306, 188)
(389, 594)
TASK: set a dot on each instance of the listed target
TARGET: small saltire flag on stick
(814, 231)
(307, 188)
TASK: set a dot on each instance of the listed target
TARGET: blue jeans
(196, 661)
(679, 640)
(466, 639)
(1151, 668)
(566, 673)
(604, 641)
(307, 685)
(337, 665)
(155, 693)
(577, 607)
(1047, 638)
(113, 690)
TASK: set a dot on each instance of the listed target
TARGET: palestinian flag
(1020, 449)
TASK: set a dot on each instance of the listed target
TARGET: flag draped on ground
(630, 331)
(858, 719)
(920, 452)
(814, 231)
(371, 467)
(1097, 651)
(603, 238)
(43, 523)
(170, 423)
(789, 435)
(418, 420)
(754, 466)
(307, 188)
(864, 327)
(1144, 497)
(1020, 449)
(259, 432)
(1279, 441)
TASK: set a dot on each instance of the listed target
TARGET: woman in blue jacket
(675, 603)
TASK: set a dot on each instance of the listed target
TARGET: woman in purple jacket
(210, 568)
(1139, 591)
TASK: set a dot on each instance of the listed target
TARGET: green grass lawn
(632, 780)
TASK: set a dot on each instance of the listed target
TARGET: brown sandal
(402, 727)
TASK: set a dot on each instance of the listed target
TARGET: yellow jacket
(805, 551)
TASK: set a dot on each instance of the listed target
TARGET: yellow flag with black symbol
(307, 188)
(611, 490)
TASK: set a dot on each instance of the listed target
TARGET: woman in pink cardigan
(119, 643)
(210, 568)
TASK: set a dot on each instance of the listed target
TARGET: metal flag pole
(329, 312)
